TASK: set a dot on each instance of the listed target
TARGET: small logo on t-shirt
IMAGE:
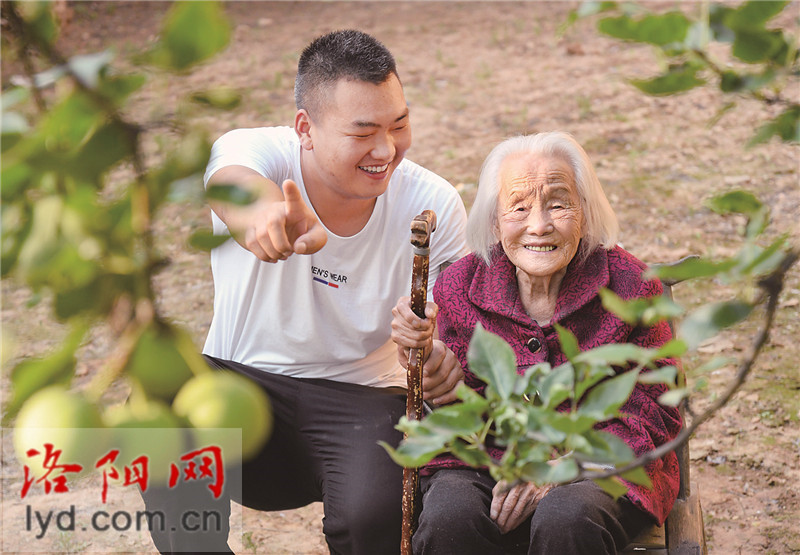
(320, 275)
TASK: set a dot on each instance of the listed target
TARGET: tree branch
(772, 286)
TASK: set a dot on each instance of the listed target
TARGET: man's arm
(275, 226)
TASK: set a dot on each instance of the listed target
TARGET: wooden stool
(684, 532)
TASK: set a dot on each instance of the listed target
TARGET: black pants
(324, 447)
(571, 519)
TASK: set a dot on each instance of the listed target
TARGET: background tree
(88, 246)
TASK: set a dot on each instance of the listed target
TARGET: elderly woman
(543, 239)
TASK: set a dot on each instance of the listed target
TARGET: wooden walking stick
(422, 227)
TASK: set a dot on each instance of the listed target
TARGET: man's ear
(302, 126)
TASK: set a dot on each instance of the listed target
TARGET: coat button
(534, 345)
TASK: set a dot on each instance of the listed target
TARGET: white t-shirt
(328, 314)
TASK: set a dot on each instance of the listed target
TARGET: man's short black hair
(346, 54)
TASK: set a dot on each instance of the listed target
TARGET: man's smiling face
(358, 139)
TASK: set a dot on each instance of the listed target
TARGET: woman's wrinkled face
(540, 219)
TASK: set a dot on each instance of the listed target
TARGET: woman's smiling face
(540, 218)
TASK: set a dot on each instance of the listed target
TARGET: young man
(304, 295)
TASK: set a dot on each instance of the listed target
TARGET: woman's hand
(409, 330)
(512, 506)
(441, 375)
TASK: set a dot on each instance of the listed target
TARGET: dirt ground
(475, 73)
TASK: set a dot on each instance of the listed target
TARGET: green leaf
(640, 311)
(754, 14)
(666, 375)
(604, 448)
(656, 29)
(427, 438)
(589, 376)
(566, 423)
(88, 68)
(612, 486)
(471, 454)
(69, 123)
(562, 472)
(586, 9)
(731, 81)
(15, 224)
(492, 360)
(690, 268)
(224, 98)
(39, 18)
(786, 126)
(510, 421)
(13, 97)
(758, 45)
(540, 430)
(719, 15)
(537, 472)
(108, 145)
(616, 354)
(556, 386)
(620, 27)
(415, 451)
(13, 126)
(680, 78)
(118, 88)
(767, 259)
(462, 419)
(469, 396)
(735, 202)
(42, 244)
(14, 178)
(664, 29)
(193, 32)
(80, 298)
(606, 398)
(188, 160)
(629, 311)
(440, 429)
(639, 477)
(710, 319)
(673, 397)
(206, 240)
(232, 194)
(569, 343)
(31, 375)
(672, 349)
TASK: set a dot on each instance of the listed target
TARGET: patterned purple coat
(469, 292)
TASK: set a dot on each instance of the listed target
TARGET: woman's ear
(302, 126)
(496, 226)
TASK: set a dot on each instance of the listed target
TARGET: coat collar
(494, 287)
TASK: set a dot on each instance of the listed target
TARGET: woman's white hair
(602, 227)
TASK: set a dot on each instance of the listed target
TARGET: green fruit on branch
(222, 399)
(148, 429)
(67, 421)
(156, 362)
